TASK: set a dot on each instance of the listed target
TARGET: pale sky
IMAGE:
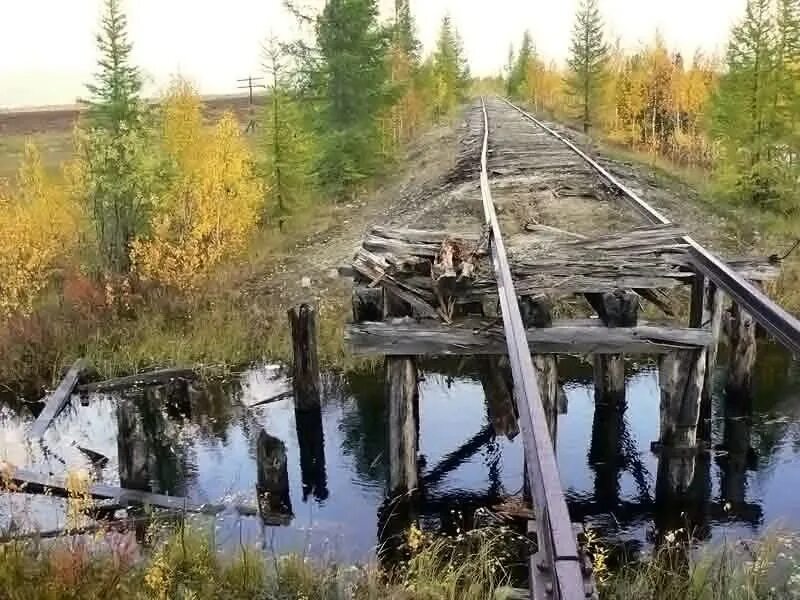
(47, 48)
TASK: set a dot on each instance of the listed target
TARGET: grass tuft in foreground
(183, 565)
(767, 569)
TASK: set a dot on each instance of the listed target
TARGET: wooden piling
(306, 378)
(706, 313)
(274, 499)
(537, 311)
(616, 309)
(402, 397)
(742, 338)
(681, 378)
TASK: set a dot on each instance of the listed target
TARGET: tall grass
(766, 569)
(184, 565)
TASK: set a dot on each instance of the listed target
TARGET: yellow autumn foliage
(38, 229)
(210, 204)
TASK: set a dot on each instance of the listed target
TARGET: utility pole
(251, 83)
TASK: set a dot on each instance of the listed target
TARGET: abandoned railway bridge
(547, 253)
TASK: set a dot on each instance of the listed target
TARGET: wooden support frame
(470, 337)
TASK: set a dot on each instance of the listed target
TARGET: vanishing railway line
(555, 535)
(780, 324)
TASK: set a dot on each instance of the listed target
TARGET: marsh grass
(767, 569)
(182, 564)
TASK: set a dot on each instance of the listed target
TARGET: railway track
(558, 570)
(784, 327)
(558, 567)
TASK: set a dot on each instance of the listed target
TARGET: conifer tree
(745, 104)
(349, 76)
(518, 79)
(114, 149)
(587, 60)
(451, 71)
(787, 81)
(114, 102)
(286, 145)
(406, 111)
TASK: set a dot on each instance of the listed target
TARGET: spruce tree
(114, 147)
(587, 60)
(115, 94)
(451, 70)
(349, 75)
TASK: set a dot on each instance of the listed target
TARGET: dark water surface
(202, 443)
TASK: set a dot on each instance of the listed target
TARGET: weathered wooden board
(159, 377)
(57, 400)
(400, 337)
(25, 481)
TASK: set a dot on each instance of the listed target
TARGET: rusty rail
(779, 323)
(561, 570)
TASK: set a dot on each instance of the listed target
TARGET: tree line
(738, 115)
(157, 193)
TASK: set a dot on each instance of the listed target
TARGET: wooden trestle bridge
(550, 288)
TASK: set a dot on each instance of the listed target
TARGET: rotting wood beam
(159, 377)
(408, 337)
(28, 482)
(57, 400)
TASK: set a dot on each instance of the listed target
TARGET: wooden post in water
(306, 380)
(402, 396)
(742, 338)
(616, 309)
(706, 313)
(681, 378)
(537, 311)
(274, 500)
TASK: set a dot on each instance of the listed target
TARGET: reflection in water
(329, 467)
(274, 501)
(311, 440)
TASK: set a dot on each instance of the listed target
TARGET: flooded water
(199, 441)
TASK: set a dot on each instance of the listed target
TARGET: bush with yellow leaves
(39, 226)
(209, 204)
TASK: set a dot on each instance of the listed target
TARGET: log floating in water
(29, 482)
(159, 377)
(57, 400)
(399, 337)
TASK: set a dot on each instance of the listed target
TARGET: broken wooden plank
(159, 377)
(400, 337)
(29, 482)
(57, 400)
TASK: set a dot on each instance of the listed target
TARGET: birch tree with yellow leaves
(210, 204)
